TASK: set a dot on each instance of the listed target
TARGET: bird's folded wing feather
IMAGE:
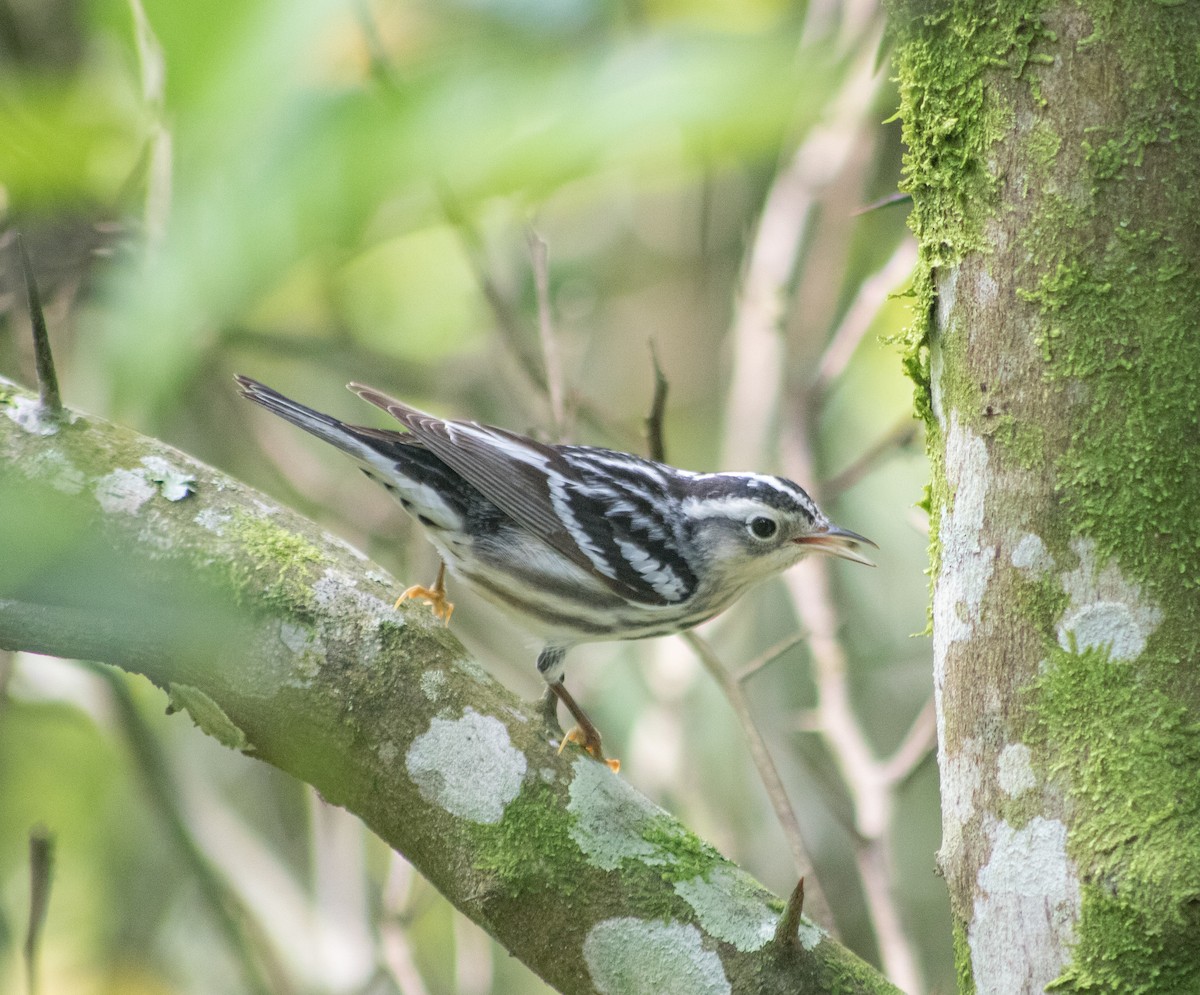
(546, 493)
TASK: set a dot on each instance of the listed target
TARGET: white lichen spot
(298, 638)
(731, 906)
(174, 484)
(936, 367)
(433, 684)
(339, 595)
(809, 934)
(212, 520)
(628, 956)
(387, 751)
(1031, 556)
(610, 817)
(1014, 771)
(308, 653)
(960, 783)
(1026, 908)
(1106, 611)
(28, 414)
(124, 491)
(967, 563)
(53, 466)
(468, 766)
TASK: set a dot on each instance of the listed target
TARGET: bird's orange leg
(584, 734)
(434, 596)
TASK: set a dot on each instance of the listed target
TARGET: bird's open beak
(838, 542)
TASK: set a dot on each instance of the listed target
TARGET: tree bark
(283, 643)
(1052, 151)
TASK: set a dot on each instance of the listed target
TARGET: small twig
(539, 257)
(41, 868)
(787, 930)
(767, 771)
(51, 400)
(896, 438)
(510, 326)
(655, 444)
(916, 747)
(889, 201)
(871, 296)
(769, 655)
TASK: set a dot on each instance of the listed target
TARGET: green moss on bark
(1130, 752)
(1097, 193)
(950, 124)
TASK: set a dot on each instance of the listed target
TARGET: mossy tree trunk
(1052, 158)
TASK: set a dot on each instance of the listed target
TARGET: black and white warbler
(581, 544)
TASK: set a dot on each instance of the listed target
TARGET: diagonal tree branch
(282, 643)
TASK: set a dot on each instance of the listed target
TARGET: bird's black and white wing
(602, 510)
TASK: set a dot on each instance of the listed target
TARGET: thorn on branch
(654, 421)
(50, 399)
(787, 931)
(41, 867)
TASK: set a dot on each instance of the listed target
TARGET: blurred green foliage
(313, 191)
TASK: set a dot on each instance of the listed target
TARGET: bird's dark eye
(762, 527)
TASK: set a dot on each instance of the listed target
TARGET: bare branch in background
(889, 444)
(755, 399)
(508, 321)
(769, 655)
(769, 775)
(872, 294)
(872, 793)
(916, 747)
(756, 331)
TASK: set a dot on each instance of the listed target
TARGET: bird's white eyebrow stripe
(727, 507)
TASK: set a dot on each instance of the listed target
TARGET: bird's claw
(434, 596)
(590, 745)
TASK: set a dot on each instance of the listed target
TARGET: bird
(579, 543)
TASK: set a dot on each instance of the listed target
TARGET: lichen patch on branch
(629, 956)
(610, 817)
(468, 766)
(967, 562)
(124, 491)
(1106, 610)
(1025, 912)
(733, 908)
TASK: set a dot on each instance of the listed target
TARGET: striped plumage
(580, 543)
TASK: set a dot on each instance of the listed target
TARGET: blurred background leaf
(314, 191)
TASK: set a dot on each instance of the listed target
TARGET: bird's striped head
(750, 526)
